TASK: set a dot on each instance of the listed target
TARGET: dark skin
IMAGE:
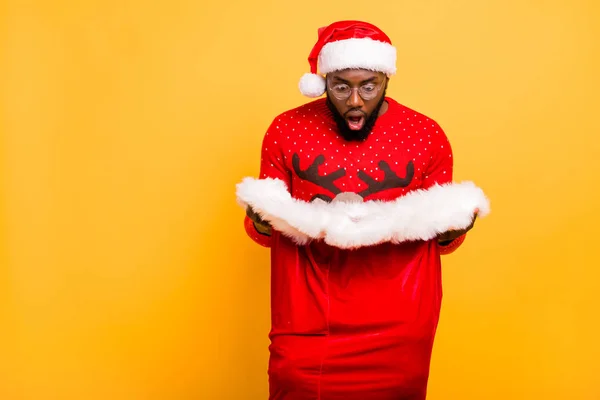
(261, 226)
(447, 237)
(356, 105)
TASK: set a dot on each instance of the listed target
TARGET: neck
(384, 108)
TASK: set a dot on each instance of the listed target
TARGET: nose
(354, 101)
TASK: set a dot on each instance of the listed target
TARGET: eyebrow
(337, 78)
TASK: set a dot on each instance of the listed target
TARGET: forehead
(355, 75)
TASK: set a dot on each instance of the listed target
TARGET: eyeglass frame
(352, 89)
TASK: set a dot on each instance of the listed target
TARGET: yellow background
(125, 271)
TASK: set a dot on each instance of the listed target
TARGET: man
(356, 202)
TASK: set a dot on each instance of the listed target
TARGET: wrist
(448, 247)
(445, 242)
(262, 228)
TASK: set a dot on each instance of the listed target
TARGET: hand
(262, 226)
(451, 235)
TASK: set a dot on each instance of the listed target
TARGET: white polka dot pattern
(400, 136)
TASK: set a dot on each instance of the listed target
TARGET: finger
(473, 221)
(253, 215)
(256, 218)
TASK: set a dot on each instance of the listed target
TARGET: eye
(369, 87)
(340, 87)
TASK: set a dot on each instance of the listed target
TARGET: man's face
(355, 98)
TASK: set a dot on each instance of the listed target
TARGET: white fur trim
(363, 53)
(312, 85)
(419, 215)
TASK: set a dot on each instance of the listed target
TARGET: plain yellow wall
(126, 273)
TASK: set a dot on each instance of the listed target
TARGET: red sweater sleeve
(272, 165)
(440, 171)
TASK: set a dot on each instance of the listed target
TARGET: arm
(272, 166)
(440, 171)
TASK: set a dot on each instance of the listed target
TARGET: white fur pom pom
(312, 85)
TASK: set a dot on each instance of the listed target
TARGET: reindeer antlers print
(311, 174)
(390, 179)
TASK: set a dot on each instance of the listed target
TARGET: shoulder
(288, 123)
(308, 111)
(418, 120)
(402, 111)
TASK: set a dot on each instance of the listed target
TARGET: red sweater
(353, 323)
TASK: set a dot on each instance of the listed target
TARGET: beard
(344, 130)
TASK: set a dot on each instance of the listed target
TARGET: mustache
(354, 111)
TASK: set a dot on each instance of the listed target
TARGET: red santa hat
(344, 45)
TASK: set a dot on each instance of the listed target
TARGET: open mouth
(355, 122)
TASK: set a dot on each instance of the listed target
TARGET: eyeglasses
(343, 91)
